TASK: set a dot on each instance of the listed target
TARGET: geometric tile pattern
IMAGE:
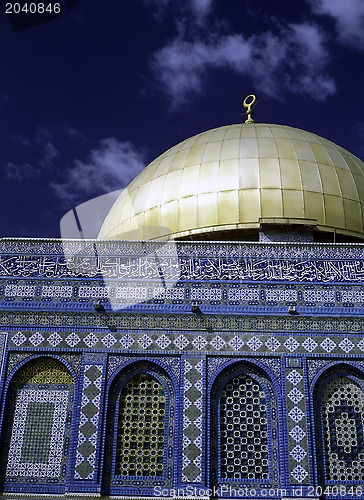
(202, 260)
(141, 428)
(172, 362)
(243, 431)
(15, 358)
(215, 363)
(231, 294)
(192, 420)
(199, 341)
(44, 248)
(38, 432)
(89, 422)
(252, 276)
(314, 366)
(44, 411)
(342, 416)
(297, 426)
(115, 363)
(40, 295)
(37, 439)
(150, 427)
(44, 371)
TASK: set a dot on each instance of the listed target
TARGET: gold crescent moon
(249, 104)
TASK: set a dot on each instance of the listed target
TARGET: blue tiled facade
(252, 353)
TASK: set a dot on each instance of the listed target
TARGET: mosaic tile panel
(342, 415)
(141, 428)
(215, 363)
(223, 296)
(31, 459)
(173, 363)
(319, 279)
(122, 453)
(44, 370)
(215, 249)
(193, 408)
(297, 426)
(312, 277)
(39, 415)
(164, 324)
(37, 432)
(197, 342)
(88, 434)
(315, 366)
(205, 261)
(243, 431)
(114, 363)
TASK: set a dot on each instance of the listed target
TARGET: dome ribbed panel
(237, 177)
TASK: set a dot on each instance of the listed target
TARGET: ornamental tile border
(193, 427)
(316, 365)
(117, 362)
(170, 323)
(16, 466)
(15, 358)
(77, 294)
(214, 365)
(35, 275)
(198, 342)
(88, 434)
(83, 247)
(298, 447)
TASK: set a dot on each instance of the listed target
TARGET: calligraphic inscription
(248, 269)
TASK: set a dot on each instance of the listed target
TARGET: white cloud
(50, 153)
(109, 167)
(181, 66)
(21, 139)
(20, 172)
(349, 18)
(157, 7)
(200, 8)
(196, 10)
(40, 144)
(294, 60)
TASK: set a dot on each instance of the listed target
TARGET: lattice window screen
(243, 430)
(141, 428)
(342, 418)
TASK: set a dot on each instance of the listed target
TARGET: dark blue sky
(88, 99)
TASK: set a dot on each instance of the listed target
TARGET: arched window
(341, 410)
(141, 428)
(140, 435)
(244, 430)
(39, 408)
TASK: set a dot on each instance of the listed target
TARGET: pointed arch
(338, 401)
(244, 437)
(36, 443)
(140, 435)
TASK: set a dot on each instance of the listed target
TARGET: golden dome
(240, 177)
